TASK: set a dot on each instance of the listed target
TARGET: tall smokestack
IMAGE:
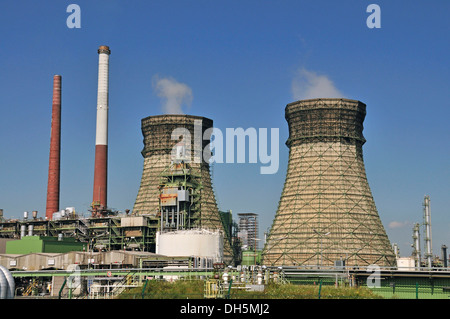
(101, 141)
(55, 151)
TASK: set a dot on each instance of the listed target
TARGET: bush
(291, 291)
(161, 289)
(194, 289)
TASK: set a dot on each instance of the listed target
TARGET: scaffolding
(180, 198)
(248, 230)
(120, 232)
(326, 213)
(164, 137)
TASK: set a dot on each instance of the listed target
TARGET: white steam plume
(174, 93)
(399, 224)
(309, 85)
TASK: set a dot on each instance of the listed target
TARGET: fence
(432, 287)
(389, 283)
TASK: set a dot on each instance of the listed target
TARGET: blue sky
(240, 60)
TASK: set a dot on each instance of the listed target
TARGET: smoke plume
(173, 93)
(309, 85)
(399, 224)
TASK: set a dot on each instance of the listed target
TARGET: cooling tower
(326, 212)
(161, 135)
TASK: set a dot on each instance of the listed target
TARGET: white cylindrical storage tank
(30, 230)
(23, 231)
(25, 215)
(11, 285)
(197, 243)
(56, 216)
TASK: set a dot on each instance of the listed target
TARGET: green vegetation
(292, 291)
(161, 289)
(194, 289)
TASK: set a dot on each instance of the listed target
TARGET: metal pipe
(396, 251)
(178, 213)
(167, 218)
(101, 140)
(172, 223)
(53, 185)
(444, 255)
(3, 286)
(23, 230)
(416, 245)
(162, 218)
(11, 285)
(30, 230)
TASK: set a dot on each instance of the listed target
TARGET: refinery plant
(326, 222)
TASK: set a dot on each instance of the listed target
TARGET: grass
(193, 289)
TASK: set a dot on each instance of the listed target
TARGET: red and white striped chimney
(55, 151)
(101, 141)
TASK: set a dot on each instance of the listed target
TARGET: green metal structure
(38, 244)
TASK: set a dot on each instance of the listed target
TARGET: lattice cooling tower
(326, 212)
(158, 146)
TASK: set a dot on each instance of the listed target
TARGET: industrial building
(248, 230)
(114, 232)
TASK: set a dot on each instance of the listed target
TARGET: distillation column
(427, 225)
(416, 246)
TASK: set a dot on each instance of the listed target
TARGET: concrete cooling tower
(176, 182)
(326, 214)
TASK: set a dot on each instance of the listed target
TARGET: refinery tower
(326, 215)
